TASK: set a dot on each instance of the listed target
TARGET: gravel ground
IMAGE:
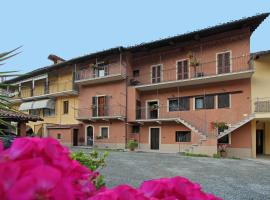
(226, 178)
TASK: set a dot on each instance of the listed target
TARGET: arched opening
(89, 136)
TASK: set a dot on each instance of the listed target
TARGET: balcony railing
(200, 71)
(262, 105)
(54, 87)
(102, 112)
(108, 72)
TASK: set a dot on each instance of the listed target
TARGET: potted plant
(220, 126)
(153, 107)
(222, 148)
(132, 145)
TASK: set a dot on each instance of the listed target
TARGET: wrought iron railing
(198, 71)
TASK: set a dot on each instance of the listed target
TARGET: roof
(256, 55)
(249, 22)
(17, 116)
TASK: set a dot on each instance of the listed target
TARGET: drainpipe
(126, 106)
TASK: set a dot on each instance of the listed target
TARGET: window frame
(36, 110)
(179, 106)
(223, 52)
(179, 137)
(204, 102)
(135, 132)
(100, 132)
(65, 109)
(195, 98)
(229, 101)
(188, 68)
(50, 110)
(161, 73)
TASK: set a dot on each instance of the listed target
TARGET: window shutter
(185, 65)
(106, 69)
(153, 74)
(94, 106)
(220, 63)
(106, 106)
(227, 63)
(158, 73)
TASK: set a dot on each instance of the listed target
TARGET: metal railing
(262, 105)
(101, 111)
(99, 72)
(201, 70)
(52, 88)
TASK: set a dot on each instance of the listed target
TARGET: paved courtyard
(226, 178)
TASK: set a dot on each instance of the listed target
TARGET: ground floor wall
(168, 143)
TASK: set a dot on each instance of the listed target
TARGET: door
(156, 74)
(153, 110)
(89, 136)
(101, 106)
(224, 62)
(75, 137)
(182, 70)
(259, 141)
(154, 138)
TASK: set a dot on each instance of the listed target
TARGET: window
(101, 70)
(135, 129)
(199, 102)
(48, 112)
(58, 136)
(156, 74)
(34, 112)
(224, 62)
(224, 100)
(207, 102)
(136, 73)
(182, 136)
(104, 132)
(100, 106)
(182, 69)
(179, 104)
(65, 107)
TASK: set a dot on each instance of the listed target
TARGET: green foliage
(92, 160)
(216, 155)
(4, 99)
(132, 144)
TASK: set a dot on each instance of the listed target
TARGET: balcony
(102, 113)
(52, 89)
(262, 108)
(100, 74)
(207, 72)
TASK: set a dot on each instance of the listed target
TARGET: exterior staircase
(236, 126)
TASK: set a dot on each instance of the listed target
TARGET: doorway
(153, 109)
(89, 136)
(259, 141)
(154, 138)
(75, 137)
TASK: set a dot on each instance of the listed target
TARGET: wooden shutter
(182, 69)
(106, 70)
(224, 62)
(227, 63)
(94, 106)
(154, 75)
(158, 73)
(107, 108)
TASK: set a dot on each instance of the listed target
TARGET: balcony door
(101, 70)
(224, 62)
(182, 69)
(156, 74)
(100, 106)
(152, 109)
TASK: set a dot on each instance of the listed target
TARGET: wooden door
(156, 74)
(259, 141)
(182, 70)
(154, 138)
(101, 106)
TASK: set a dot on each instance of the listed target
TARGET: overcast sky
(74, 28)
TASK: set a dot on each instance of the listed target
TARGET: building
(187, 93)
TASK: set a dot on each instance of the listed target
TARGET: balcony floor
(102, 118)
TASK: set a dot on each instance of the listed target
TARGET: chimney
(55, 59)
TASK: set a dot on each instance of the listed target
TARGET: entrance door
(153, 110)
(154, 138)
(90, 136)
(259, 141)
(75, 137)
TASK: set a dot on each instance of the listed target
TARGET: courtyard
(226, 178)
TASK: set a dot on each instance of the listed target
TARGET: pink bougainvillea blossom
(35, 168)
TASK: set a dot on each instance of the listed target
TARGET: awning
(46, 103)
(32, 105)
(26, 106)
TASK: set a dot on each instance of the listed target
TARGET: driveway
(226, 178)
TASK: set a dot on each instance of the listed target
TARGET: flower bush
(35, 168)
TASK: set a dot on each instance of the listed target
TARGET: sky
(74, 28)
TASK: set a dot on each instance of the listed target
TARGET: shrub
(93, 160)
(195, 154)
(132, 144)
